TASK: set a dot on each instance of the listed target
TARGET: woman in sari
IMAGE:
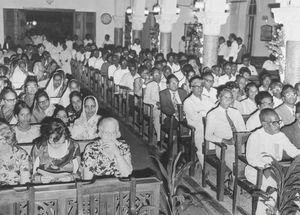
(75, 107)
(42, 107)
(19, 75)
(56, 157)
(55, 86)
(14, 161)
(61, 113)
(25, 132)
(73, 85)
(85, 127)
(8, 101)
(30, 88)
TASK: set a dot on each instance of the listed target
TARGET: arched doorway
(251, 24)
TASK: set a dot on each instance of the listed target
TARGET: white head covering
(83, 128)
(50, 88)
(65, 100)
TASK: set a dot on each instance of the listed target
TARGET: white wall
(185, 16)
(237, 23)
(78, 5)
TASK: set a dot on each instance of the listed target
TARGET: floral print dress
(100, 163)
(11, 169)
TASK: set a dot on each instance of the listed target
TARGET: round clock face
(106, 18)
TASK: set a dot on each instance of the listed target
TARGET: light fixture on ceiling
(156, 8)
(34, 23)
(178, 10)
(129, 10)
(146, 12)
(227, 7)
(199, 5)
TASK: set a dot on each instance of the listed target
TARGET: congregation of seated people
(42, 104)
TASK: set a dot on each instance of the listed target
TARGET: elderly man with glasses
(196, 107)
(263, 143)
(286, 111)
(208, 90)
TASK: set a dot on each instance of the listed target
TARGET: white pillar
(212, 18)
(289, 16)
(166, 20)
(138, 18)
(119, 20)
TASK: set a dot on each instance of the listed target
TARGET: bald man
(268, 140)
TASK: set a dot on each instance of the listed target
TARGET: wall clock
(106, 18)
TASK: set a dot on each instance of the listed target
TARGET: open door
(15, 24)
(85, 23)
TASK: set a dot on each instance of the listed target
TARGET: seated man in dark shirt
(293, 131)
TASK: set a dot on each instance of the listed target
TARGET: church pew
(104, 195)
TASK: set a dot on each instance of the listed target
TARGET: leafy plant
(288, 188)
(179, 198)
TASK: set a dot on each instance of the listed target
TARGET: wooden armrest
(185, 124)
(285, 163)
(148, 105)
(244, 160)
(220, 144)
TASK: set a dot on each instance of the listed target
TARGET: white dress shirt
(218, 127)
(222, 50)
(234, 50)
(174, 67)
(178, 100)
(253, 121)
(118, 74)
(225, 78)
(196, 108)
(248, 106)
(111, 70)
(211, 94)
(151, 95)
(127, 80)
(250, 67)
(277, 102)
(260, 144)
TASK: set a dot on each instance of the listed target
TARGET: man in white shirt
(248, 104)
(196, 107)
(208, 89)
(227, 76)
(137, 46)
(234, 48)
(118, 74)
(171, 62)
(265, 141)
(222, 49)
(275, 90)
(115, 65)
(127, 79)
(286, 111)
(106, 41)
(263, 100)
(151, 96)
(166, 71)
(246, 63)
(221, 123)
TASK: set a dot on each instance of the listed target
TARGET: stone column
(212, 19)
(289, 16)
(138, 18)
(119, 20)
(119, 24)
(166, 20)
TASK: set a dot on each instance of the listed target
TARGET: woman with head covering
(75, 107)
(107, 156)
(73, 85)
(30, 88)
(85, 127)
(55, 86)
(42, 106)
(56, 157)
(8, 101)
(25, 132)
(14, 161)
(61, 113)
(19, 75)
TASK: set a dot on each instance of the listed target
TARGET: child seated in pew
(107, 156)
(56, 157)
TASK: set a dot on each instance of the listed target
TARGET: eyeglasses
(211, 81)
(10, 100)
(197, 86)
(43, 102)
(275, 123)
(290, 95)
